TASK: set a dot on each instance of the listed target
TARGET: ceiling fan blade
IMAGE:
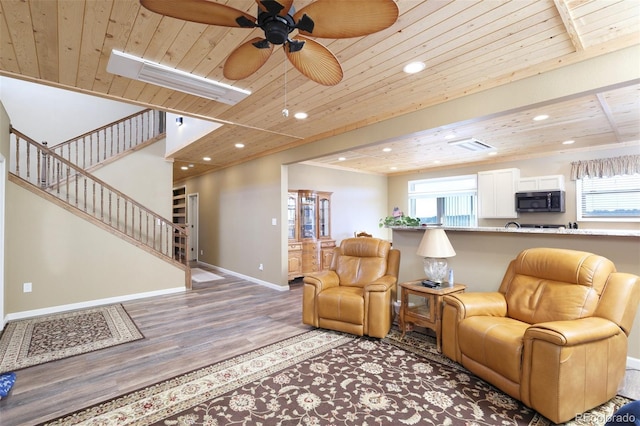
(345, 19)
(202, 11)
(279, 7)
(247, 59)
(315, 61)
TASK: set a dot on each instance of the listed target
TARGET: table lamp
(435, 248)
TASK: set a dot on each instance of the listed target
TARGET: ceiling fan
(322, 18)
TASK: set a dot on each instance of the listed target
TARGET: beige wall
(236, 208)
(70, 260)
(144, 176)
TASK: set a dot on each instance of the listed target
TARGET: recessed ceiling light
(393, 168)
(386, 149)
(414, 67)
(301, 115)
(341, 158)
(190, 165)
(239, 145)
(184, 168)
(206, 158)
(540, 117)
(569, 142)
(436, 161)
(493, 153)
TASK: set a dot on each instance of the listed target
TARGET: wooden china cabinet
(309, 229)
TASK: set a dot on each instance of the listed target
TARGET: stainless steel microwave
(543, 201)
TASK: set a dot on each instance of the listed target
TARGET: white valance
(606, 167)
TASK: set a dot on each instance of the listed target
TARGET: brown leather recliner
(554, 336)
(356, 294)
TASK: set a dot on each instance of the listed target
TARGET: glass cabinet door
(308, 214)
(324, 212)
(292, 228)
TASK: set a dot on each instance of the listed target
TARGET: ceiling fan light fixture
(301, 115)
(130, 66)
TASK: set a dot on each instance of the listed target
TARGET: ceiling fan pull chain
(285, 111)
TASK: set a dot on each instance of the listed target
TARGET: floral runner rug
(37, 340)
(321, 378)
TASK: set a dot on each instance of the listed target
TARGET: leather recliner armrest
(475, 304)
(381, 284)
(322, 280)
(573, 332)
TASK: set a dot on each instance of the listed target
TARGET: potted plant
(398, 218)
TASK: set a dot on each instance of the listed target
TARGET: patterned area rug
(321, 378)
(37, 340)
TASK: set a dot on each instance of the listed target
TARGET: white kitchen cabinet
(496, 193)
(541, 183)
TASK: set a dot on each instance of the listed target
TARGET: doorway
(192, 222)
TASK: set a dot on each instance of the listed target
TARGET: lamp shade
(435, 243)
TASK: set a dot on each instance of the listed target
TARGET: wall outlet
(201, 252)
(274, 221)
(27, 287)
(261, 267)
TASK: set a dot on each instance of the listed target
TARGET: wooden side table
(428, 315)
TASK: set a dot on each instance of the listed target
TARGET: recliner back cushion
(544, 284)
(361, 261)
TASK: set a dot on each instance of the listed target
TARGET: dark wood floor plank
(183, 332)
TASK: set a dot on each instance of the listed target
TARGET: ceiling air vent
(130, 66)
(472, 144)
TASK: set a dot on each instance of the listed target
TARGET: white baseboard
(89, 304)
(246, 277)
(633, 363)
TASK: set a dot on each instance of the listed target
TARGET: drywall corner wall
(237, 206)
(69, 260)
(143, 175)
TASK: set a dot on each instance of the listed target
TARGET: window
(450, 201)
(613, 199)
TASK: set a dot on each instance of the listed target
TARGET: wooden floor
(183, 332)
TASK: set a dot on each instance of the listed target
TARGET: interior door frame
(193, 209)
(3, 179)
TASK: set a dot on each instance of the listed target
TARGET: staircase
(61, 175)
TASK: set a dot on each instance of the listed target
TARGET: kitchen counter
(553, 231)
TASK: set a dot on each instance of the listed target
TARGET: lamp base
(435, 269)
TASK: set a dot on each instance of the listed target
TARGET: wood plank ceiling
(467, 46)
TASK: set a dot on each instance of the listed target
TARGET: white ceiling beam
(569, 24)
